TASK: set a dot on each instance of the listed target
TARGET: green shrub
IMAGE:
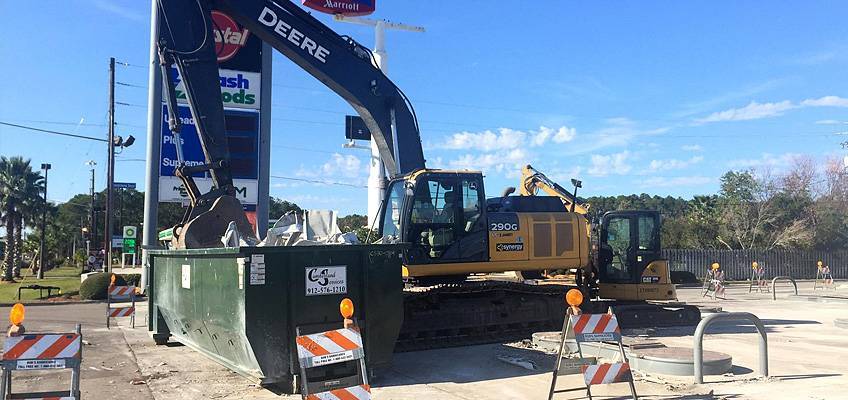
(683, 277)
(132, 279)
(94, 288)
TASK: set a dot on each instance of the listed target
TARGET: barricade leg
(75, 372)
(108, 307)
(4, 385)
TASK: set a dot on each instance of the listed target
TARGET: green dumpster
(243, 307)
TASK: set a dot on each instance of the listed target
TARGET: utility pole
(45, 167)
(92, 232)
(377, 175)
(110, 169)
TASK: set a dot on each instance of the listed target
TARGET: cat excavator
(626, 262)
(453, 229)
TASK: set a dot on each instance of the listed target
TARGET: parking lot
(806, 358)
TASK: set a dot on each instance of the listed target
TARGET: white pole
(377, 174)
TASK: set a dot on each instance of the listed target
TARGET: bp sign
(129, 232)
(129, 243)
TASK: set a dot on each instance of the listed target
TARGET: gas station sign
(345, 7)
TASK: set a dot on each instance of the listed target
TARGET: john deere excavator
(453, 229)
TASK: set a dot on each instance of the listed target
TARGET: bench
(40, 289)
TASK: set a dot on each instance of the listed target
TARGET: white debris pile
(309, 227)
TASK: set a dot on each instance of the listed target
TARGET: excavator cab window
(444, 219)
(392, 214)
(618, 241)
(630, 240)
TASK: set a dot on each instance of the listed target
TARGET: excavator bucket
(205, 230)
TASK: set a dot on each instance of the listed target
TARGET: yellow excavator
(456, 234)
(626, 263)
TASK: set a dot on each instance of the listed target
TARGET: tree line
(804, 207)
(72, 227)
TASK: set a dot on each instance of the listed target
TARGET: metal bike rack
(735, 316)
(774, 292)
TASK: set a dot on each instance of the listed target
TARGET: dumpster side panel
(383, 291)
(250, 325)
(267, 315)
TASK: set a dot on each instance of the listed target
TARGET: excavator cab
(630, 264)
(442, 214)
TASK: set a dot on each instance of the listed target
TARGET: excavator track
(480, 312)
(470, 313)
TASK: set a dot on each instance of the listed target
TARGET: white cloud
(619, 121)
(745, 93)
(827, 122)
(826, 101)
(564, 134)
(344, 165)
(676, 182)
(112, 7)
(756, 110)
(505, 161)
(751, 111)
(665, 165)
(765, 160)
(693, 147)
(615, 164)
(506, 138)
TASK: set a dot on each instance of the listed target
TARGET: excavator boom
(344, 66)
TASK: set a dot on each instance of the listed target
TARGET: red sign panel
(236, 46)
(344, 7)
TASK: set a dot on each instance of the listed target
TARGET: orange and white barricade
(824, 276)
(758, 279)
(123, 295)
(594, 328)
(42, 352)
(328, 348)
(714, 282)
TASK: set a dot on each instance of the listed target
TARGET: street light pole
(45, 167)
(377, 174)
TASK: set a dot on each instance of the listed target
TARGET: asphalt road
(108, 364)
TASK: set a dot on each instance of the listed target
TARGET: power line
(317, 151)
(130, 85)
(52, 132)
(320, 182)
(129, 105)
(130, 65)
(57, 122)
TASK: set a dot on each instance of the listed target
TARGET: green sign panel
(129, 245)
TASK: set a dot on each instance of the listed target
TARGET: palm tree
(20, 187)
(32, 205)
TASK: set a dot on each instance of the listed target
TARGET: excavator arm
(533, 180)
(344, 66)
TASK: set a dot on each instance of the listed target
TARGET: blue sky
(660, 97)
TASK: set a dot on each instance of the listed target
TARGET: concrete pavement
(806, 352)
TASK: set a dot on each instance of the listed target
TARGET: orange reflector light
(574, 297)
(754, 265)
(17, 314)
(112, 280)
(346, 307)
(819, 263)
(715, 265)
